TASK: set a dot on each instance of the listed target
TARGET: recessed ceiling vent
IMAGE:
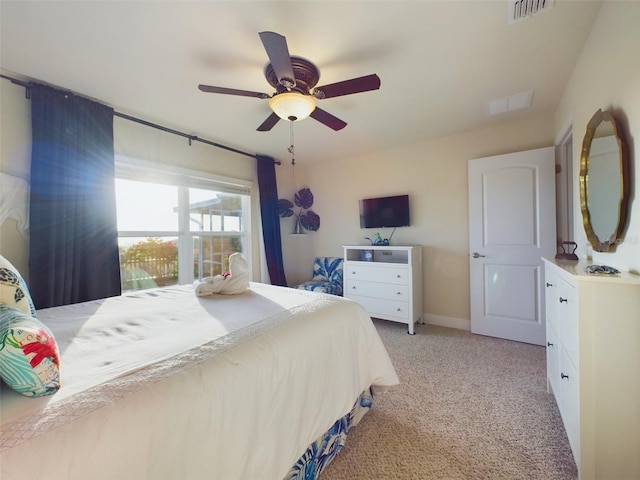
(522, 9)
(507, 104)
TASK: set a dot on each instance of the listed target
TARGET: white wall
(15, 155)
(434, 174)
(607, 77)
(297, 250)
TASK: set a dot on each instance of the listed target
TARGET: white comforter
(163, 384)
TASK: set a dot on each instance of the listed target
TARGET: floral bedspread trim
(321, 452)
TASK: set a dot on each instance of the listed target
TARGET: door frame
(564, 183)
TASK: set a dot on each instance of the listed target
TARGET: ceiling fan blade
(278, 52)
(232, 91)
(268, 123)
(347, 87)
(329, 120)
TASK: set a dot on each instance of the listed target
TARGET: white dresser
(593, 366)
(386, 281)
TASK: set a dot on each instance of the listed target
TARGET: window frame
(127, 168)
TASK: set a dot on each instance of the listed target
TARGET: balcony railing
(151, 272)
(143, 273)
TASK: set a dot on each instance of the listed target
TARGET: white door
(511, 226)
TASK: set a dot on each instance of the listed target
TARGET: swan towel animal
(234, 282)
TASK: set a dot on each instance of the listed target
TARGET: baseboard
(442, 321)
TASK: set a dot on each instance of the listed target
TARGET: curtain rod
(192, 138)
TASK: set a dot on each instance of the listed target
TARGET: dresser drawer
(553, 360)
(377, 290)
(569, 404)
(388, 285)
(551, 298)
(374, 273)
(567, 321)
(381, 308)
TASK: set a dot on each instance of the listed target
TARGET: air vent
(521, 9)
(507, 104)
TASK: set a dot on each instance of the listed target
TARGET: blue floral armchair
(327, 276)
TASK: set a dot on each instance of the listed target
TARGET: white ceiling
(439, 63)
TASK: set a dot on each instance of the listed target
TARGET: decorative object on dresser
(568, 251)
(378, 240)
(593, 365)
(389, 286)
(604, 182)
(327, 276)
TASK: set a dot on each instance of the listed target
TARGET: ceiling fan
(294, 79)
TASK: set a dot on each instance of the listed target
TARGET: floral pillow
(13, 288)
(29, 357)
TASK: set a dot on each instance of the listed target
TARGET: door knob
(477, 255)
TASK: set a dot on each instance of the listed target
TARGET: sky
(152, 207)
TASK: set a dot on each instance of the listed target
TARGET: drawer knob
(399, 276)
(563, 300)
(549, 284)
(353, 288)
(549, 344)
(399, 309)
(563, 376)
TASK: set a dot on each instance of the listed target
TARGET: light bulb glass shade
(292, 106)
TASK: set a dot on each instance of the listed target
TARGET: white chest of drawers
(389, 284)
(593, 366)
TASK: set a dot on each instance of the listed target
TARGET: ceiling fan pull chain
(291, 148)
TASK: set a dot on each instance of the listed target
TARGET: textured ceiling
(439, 63)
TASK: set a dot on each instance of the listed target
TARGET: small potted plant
(305, 217)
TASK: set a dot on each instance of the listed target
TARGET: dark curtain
(73, 253)
(270, 219)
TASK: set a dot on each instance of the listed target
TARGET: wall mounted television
(385, 212)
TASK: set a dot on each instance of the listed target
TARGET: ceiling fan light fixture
(292, 106)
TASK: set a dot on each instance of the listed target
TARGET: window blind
(142, 170)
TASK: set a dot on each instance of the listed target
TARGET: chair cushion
(322, 287)
(328, 269)
(327, 276)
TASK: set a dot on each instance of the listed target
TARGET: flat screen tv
(385, 212)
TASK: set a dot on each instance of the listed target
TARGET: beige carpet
(468, 407)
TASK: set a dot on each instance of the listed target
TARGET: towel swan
(232, 283)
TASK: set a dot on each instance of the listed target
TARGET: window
(175, 226)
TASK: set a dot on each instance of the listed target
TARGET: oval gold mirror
(604, 182)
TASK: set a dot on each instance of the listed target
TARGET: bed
(163, 384)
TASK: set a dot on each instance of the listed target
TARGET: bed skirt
(323, 450)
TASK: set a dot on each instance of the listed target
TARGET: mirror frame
(606, 245)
